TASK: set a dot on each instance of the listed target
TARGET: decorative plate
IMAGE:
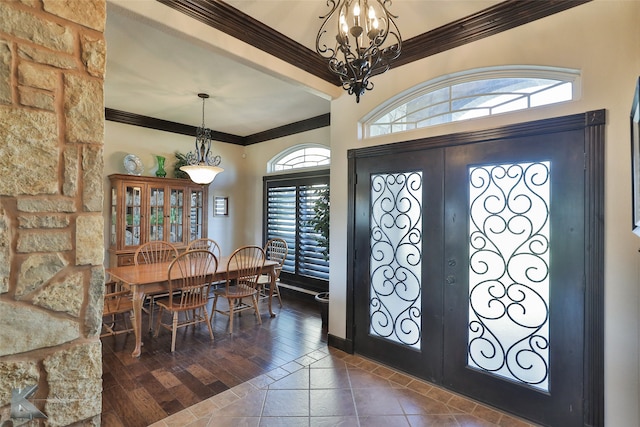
(133, 164)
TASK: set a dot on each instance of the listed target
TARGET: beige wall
(602, 39)
(241, 180)
(121, 139)
(51, 277)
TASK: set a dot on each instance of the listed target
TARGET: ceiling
(159, 59)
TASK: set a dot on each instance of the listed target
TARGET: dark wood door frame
(593, 125)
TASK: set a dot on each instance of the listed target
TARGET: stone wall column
(52, 63)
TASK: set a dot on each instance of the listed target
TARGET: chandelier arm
(321, 47)
(376, 42)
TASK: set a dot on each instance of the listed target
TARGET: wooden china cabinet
(146, 208)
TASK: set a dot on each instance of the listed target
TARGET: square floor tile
(286, 403)
(295, 381)
(331, 402)
(328, 378)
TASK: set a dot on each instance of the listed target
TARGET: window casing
(288, 209)
(300, 156)
(472, 94)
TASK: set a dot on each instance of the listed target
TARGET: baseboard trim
(340, 343)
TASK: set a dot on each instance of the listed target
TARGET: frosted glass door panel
(395, 262)
(509, 271)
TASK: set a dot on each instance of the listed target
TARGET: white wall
(121, 139)
(600, 38)
(257, 157)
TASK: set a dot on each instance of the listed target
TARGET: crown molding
(221, 16)
(127, 118)
(493, 20)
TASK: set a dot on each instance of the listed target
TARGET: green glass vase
(161, 172)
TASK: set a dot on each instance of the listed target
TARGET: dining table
(151, 279)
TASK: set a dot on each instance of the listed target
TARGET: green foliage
(320, 221)
(181, 160)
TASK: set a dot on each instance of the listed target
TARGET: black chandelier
(367, 39)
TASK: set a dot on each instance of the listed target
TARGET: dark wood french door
(469, 269)
(398, 263)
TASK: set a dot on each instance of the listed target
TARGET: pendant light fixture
(367, 40)
(203, 166)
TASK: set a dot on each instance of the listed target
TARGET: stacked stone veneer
(52, 61)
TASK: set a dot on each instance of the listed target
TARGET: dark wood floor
(141, 391)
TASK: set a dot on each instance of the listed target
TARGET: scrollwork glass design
(395, 263)
(509, 271)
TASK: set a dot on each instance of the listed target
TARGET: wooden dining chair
(189, 281)
(117, 304)
(210, 245)
(243, 269)
(276, 249)
(206, 243)
(154, 252)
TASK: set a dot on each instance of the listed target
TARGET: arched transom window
(290, 200)
(471, 94)
(300, 156)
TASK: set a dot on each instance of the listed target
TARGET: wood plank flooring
(280, 373)
(144, 390)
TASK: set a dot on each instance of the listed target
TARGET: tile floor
(328, 387)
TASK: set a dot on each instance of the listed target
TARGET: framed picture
(221, 206)
(635, 159)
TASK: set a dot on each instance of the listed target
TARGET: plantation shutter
(289, 202)
(311, 261)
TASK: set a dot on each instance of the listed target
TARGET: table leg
(137, 300)
(271, 288)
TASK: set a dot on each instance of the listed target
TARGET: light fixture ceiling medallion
(203, 166)
(367, 40)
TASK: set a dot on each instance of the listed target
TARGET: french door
(469, 269)
(398, 261)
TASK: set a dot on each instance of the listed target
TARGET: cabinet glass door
(156, 214)
(113, 226)
(196, 218)
(176, 209)
(133, 215)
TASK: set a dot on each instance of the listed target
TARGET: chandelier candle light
(202, 165)
(367, 41)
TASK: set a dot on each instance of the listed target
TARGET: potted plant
(320, 224)
(320, 220)
(181, 160)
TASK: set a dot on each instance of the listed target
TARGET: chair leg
(255, 306)
(213, 308)
(206, 318)
(158, 319)
(231, 302)
(173, 331)
(151, 304)
(277, 292)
